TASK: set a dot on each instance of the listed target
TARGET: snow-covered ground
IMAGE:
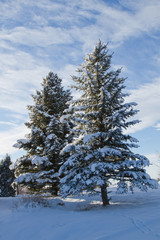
(128, 217)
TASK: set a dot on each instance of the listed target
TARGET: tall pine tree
(6, 178)
(38, 169)
(101, 151)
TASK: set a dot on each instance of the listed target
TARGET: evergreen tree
(101, 151)
(38, 169)
(6, 178)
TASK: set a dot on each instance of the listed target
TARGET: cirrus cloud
(148, 98)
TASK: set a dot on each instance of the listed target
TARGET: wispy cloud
(154, 169)
(8, 123)
(8, 138)
(36, 37)
(16, 87)
(148, 98)
(157, 126)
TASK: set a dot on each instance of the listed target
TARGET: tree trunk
(104, 195)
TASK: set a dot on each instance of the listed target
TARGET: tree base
(104, 195)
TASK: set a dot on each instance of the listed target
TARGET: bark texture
(104, 195)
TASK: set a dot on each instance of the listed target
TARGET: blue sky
(54, 35)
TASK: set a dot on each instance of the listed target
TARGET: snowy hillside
(129, 217)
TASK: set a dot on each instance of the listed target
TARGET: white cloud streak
(8, 123)
(154, 168)
(36, 37)
(16, 87)
(8, 138)
(148, 98)
(158, 126)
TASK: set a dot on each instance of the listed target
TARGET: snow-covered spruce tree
(6, 178)
(101, 151)
(38, 169)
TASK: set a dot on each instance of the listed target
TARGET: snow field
(128, 217)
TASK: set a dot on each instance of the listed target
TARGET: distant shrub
(31, 201)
